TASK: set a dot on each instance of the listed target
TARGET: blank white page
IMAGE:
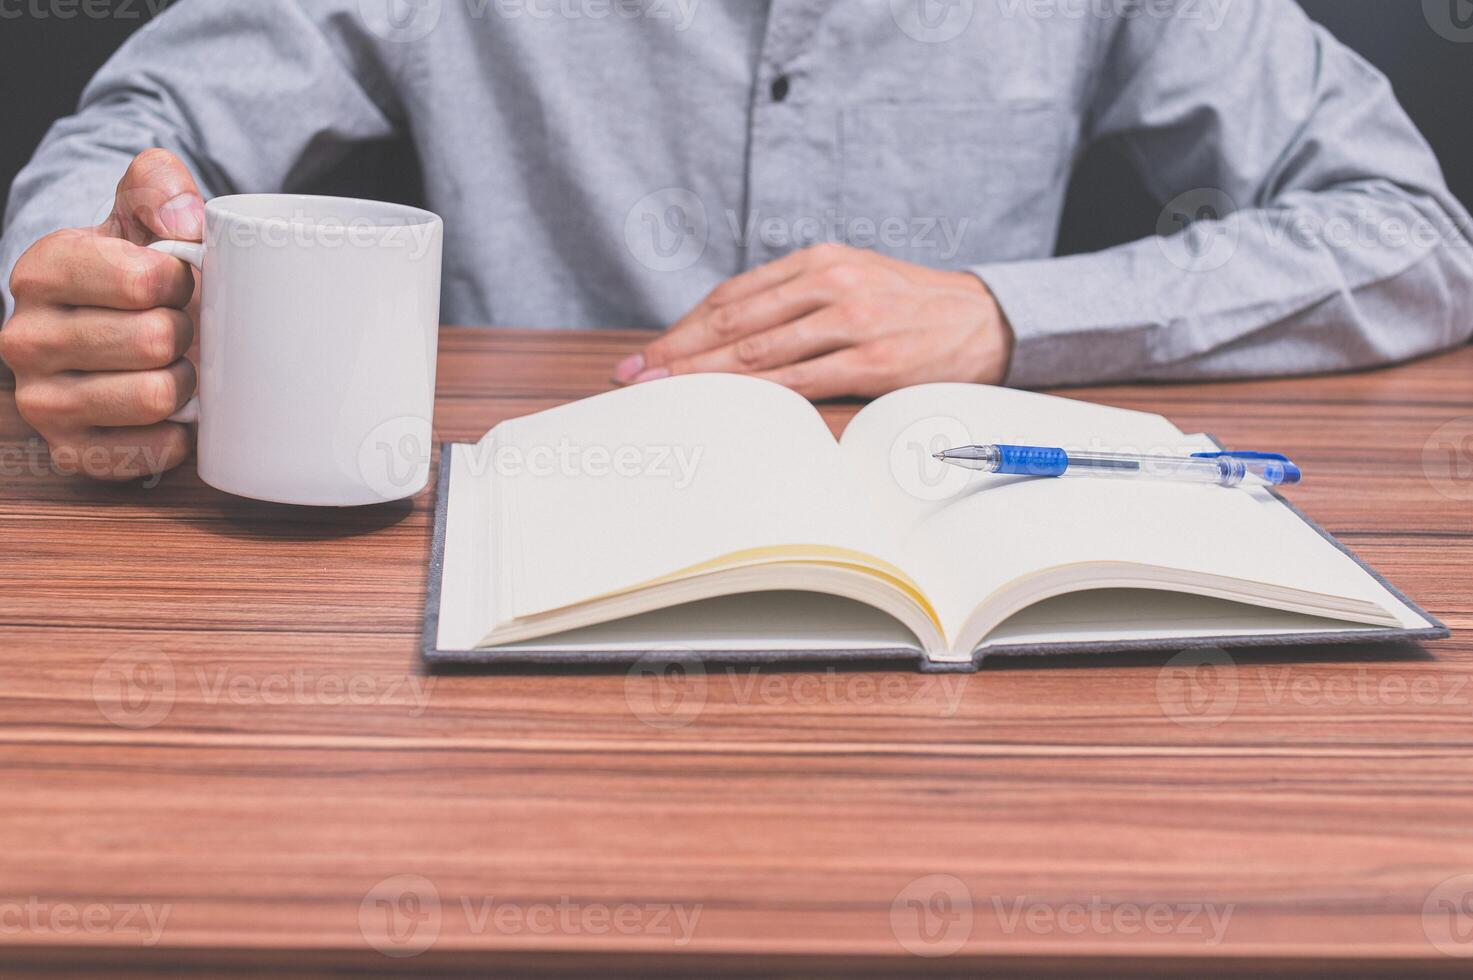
(992, 537)
(634, 485)
(967, 535)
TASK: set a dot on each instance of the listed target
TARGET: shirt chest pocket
(956, 184)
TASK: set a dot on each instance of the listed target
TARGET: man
(657, 162)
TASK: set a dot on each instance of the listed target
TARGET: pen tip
(941, 456)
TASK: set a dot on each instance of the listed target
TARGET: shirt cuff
(1076, 320)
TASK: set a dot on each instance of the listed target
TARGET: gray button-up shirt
(608, 162)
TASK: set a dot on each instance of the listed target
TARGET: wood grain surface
(219, 750)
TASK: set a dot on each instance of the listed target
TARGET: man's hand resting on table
(832, 321)
(101, 327)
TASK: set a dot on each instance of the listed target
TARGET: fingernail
(184, 216)
(653, 374)
(628, 368)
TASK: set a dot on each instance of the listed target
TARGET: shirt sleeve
(1307, 225)
(251, 96)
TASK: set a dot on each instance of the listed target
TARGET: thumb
(157, 198)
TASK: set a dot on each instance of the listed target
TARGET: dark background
(45, 59)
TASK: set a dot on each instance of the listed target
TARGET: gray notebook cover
(435, 656)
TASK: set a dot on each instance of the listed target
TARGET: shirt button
(780, 87)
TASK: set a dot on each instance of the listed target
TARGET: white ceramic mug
(319, 322)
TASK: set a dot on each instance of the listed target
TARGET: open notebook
(717, 515)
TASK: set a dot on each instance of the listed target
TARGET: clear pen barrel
(1222, 471)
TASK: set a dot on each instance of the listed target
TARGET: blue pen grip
(1031, 461)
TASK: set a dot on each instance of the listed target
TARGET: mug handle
(194, 254)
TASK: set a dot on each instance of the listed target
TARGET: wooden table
(219, 747)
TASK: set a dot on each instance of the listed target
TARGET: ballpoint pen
(1226, 469)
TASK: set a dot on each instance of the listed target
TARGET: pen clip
(1283, 473)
